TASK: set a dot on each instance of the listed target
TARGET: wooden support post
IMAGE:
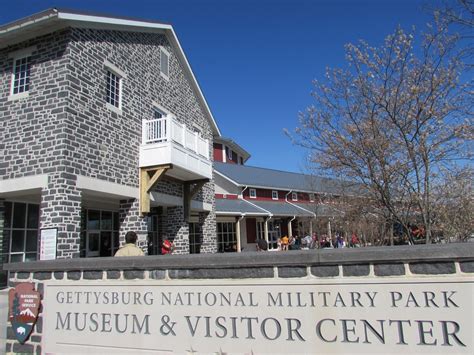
(149, 176)
(189, 194)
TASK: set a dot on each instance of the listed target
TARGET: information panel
(48, 243)
(425, 315)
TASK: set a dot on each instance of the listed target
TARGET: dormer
(227, 151)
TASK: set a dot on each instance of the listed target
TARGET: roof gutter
(28, 21)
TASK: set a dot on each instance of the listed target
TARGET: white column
(237, 231)
(290, 230)
(329, 230)
(311, 227)
(266, 230)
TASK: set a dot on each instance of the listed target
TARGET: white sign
(48, 244)
(261, 316)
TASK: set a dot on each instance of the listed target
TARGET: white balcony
(166, 141)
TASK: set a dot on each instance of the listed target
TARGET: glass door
(93, 242)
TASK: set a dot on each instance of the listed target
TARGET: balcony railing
(166, 141)
(166, 129)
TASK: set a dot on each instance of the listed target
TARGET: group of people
(130, 247)
(338, 241)
(311, 242)
(296, 243)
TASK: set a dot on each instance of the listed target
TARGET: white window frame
(274, 192)
(311, 197)
(294, 196)
(163, 52)
(17, 55)
(110, 67)
(253, 193)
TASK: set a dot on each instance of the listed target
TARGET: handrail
(161, 130)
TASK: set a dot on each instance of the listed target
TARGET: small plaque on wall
(48, 243)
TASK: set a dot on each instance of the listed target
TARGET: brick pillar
(208, 220)
(209, 232)
(130, 220)
(61, 208)
(177, 229)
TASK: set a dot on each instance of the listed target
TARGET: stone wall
(33, 129)
(64, 127)
(377, 263)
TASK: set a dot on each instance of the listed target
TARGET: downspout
(265, 232)
(290, 230)
(242, 192)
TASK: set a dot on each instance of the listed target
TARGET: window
(114, 89)
(21, 232)
(195, 238)
(253, 193)
(229, 153)
(21, 75)
(294, 196)
(100, 233)
(311, 197)
(226, 237)
(164, 63)
(274, 195)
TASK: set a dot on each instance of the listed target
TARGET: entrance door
(273, 235)
(154, 236)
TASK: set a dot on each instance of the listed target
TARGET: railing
(161, 130)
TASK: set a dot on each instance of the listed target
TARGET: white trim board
(107, 187)
(24, 183)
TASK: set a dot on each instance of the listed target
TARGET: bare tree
(454, 216)
(459, 15)
(391, 120)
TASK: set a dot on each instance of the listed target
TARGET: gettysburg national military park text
(384, 315)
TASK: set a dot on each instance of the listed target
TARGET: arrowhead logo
(24, 304)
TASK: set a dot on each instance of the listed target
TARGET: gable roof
(243, 175)
(54, 19)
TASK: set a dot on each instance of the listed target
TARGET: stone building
(104, 129)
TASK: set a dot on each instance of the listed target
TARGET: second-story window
(274, 195)
(253, 193)
(21, 75)
(114, 89)
(311, 197)
(229, 153)
(164, 63)
(294, 196)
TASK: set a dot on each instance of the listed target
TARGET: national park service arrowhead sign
(24, 303)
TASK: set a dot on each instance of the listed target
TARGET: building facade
(256, 203)
(104, 129)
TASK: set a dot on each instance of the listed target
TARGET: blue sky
(255, 60)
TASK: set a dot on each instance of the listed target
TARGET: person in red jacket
(167, 247)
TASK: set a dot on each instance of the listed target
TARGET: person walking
(130, 248)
